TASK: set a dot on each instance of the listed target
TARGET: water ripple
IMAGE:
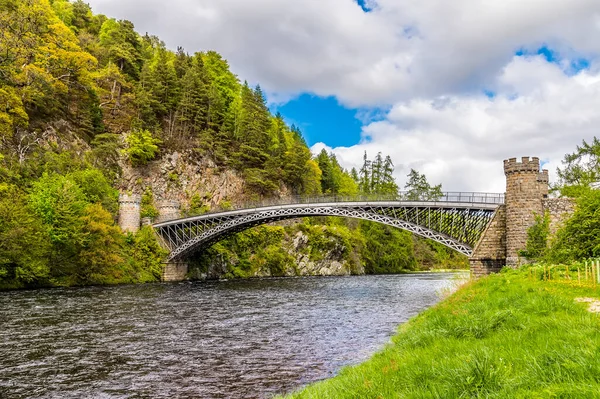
(230, 339)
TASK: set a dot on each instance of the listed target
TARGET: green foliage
(581, 168)
(376, 177)
(101, 256)
(537, 238)
(419, 189)
(387, 249)
(96, 188)
(147, 255)
(579, 237)
(226, 205)
(198, 206)
(59, 203)
(105, 92)
(141, 147)
(148, 210)
(335, 180)
(505, 336)
(24, 246)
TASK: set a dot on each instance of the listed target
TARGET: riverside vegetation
(510, 335)
(527, 333)
(86, 99)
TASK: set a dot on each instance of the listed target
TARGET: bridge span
(489, 228)
(456, 220)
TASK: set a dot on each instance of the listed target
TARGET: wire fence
(584, 273)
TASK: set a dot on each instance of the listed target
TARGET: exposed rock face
(180, 176)
(331, 264)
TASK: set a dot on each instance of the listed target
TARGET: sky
(449, 88)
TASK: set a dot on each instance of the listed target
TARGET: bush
(141, 147)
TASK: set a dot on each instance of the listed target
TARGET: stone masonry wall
(526, 187)
(174, 271)
(559, 209)
(129, 212)
(489, 255)
(168, 210)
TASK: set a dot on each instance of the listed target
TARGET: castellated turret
(526, 188)
(168, 210)
(129, 212)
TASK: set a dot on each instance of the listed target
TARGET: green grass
(509, 335)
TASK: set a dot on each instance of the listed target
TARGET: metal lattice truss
(456, 225)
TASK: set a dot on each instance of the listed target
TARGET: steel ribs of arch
(457, 228)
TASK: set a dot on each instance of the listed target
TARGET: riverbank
(510, 335)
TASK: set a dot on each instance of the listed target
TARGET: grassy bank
(511, 335)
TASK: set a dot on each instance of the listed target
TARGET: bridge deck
(454, 219)
(386, 204)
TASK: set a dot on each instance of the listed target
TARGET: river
(227, 339)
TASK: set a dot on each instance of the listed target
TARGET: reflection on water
(230, 339)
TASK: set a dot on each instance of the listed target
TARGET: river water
(228, 339)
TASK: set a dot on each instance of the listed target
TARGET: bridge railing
(452, 196)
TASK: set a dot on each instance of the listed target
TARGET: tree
(324, 162)
(192, 110)
(141, 147)
(376, 174)
(96, 188)
(24, 246)
(388, 184)
(122, 46)
(147, 255)
(387, 249)
(101, 249)
(294, 163)
(578, 238)
(581, 168)
(311, 178)
(42, 65)
(537, 238)
(354, 175)
(365, 175)
(148, 210)
(419, 189)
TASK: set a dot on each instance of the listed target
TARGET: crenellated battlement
(543, 177)
(130, 199)
(167, 204)
(526, 165)
(168, 210)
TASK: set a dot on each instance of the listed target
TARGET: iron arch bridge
(456, 220)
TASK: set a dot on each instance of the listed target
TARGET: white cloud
(461, 140)
(399, 50)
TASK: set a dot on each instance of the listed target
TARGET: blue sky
(322, 120)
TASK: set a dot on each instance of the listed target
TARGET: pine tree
(419, 189)
(376, 174)
(354, 175)
(365, 175)
(388, 183)
(324, 163)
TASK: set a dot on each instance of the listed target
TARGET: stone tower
(129, 212)
(168, 210)
(526, 189)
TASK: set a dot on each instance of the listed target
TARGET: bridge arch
(457, 225)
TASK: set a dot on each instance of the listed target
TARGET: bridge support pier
(174, 271)
(489, 255)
